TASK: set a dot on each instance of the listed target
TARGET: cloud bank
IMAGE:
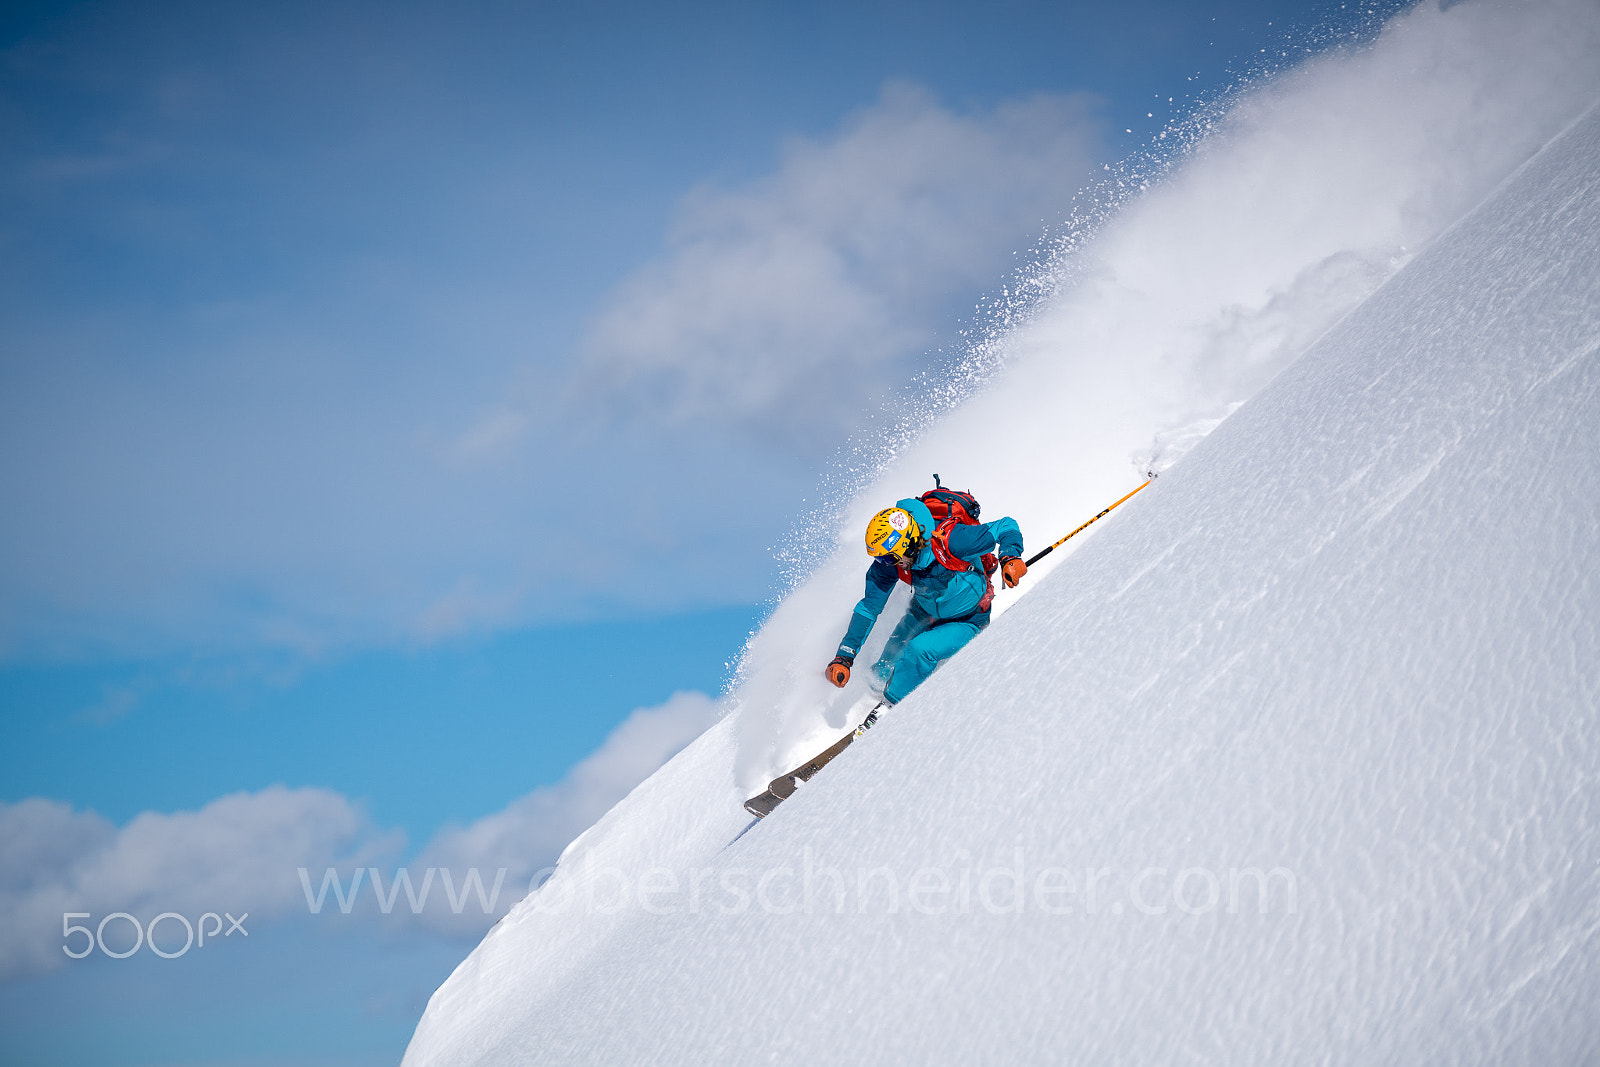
(238, 854)
(242, 852)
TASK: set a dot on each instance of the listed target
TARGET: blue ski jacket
(936, 591)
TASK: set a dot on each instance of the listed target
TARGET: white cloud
(239, 854)
(783, 304)
(243, 852)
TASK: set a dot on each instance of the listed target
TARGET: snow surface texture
(1352, 636)
(1349, 641)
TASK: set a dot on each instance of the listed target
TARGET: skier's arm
(881, 577)
(972, 540)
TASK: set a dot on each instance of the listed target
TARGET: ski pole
(1041, 555)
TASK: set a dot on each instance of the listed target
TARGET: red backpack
(950, 504)
(949, 507)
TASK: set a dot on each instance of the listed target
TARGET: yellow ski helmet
(892, 532)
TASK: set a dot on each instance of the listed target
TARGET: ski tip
(761, 804)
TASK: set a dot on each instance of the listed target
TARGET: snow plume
(779, 304)
(1300, 198)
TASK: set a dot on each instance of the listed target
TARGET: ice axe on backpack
(1036, 557)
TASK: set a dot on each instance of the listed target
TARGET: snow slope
(1351, 641)
(1293, 759)
(1306, 195)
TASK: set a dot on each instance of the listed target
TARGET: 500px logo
(146, 934)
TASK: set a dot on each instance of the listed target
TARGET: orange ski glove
(838, 671)
(1012, 569)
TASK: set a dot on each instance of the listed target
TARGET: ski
(782, 787)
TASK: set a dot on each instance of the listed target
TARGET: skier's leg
(912, 623)
(924, 653)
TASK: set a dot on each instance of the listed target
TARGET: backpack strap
(940, 543)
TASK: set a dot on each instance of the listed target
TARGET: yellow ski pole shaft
(1041, 555)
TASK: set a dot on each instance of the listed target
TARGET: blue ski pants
(916, 648)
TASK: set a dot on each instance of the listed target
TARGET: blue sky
(395, 399)
(402, 729)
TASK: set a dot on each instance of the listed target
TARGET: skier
(947, 561)
(935, 544)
